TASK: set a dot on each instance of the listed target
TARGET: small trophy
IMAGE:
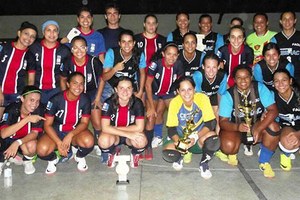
(184, 141)
(247, 110)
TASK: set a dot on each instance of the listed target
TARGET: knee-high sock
(50, 157)
(149, 136)
(82, 152)
(158, 130)
(265, 154)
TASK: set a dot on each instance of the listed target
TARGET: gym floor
(156, 179)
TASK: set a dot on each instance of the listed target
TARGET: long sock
(25, 158)
(50, 157)
(158, 130)
(110, 149)
(149, 135)
(136, 150)
(82, 152)
(265, 154)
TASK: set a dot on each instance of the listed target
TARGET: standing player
(263, 70)
(49, 56)
(212, 81)
(16, 63)
(112, 31)
(213, 41)
(20, 126)
(67, 118)
(160, 88)
(123, 123)
(288, 41)
(95, 40)
(190, 57)
(182, 23)
(235, 53)
(260, 36)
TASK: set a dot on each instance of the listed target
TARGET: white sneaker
(204, 171)
(97, 150)
(258, 153)
(178, 165)
(293, 156)
(51, 168)
(28, 167)
(248, 150)
(17, 160)
(81, 164)
(156, 141)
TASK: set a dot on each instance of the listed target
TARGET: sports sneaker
(293, 156)
(285, 162)
(97, 150)
(17, 160)
(111, 160)
(156, 141)
(51, 168)
(219, 154)
(148, 153)
(204, 170)
(267, 169)
(141, 156)
(134, 160)
(178, 165)
(258, 153)
(28, 167)
(232, 160)
(248, 150)
(81, 164)
(66, 159)
(187, 158)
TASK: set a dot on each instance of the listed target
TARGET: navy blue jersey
(289, 111)
(213, 41)
(165, 78)
(123, 116)
(211, 88)
(92, 70)
(111, 36)
(177, 37)
(12, 115)
(48, 64)
(262, 73)
(14, 66)
(193, 65)
(67, 114)
(290, 49)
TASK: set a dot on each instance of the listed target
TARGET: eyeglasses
(80, 48)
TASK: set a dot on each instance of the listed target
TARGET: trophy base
(182, 147)
(122, 182)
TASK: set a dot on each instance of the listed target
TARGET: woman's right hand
(119, 66)
(243, 127)
(35, 118)
(151, 113)
(61, 149)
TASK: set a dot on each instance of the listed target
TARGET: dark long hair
(158, 54)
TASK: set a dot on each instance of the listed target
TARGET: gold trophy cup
(247, 108)
(182, 145)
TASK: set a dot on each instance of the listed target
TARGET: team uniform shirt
(230, 60)
(164, 78)
(178, 113)
(262, 73)
(123, 116)
(48, 64)
(257, 43)
(111, 36)
(149, 46)
(114, 56)
(67, 114)
(14, 66)
(263, 99)
(289, 111)
(190, 67)
(213, 41)
(211, 88)
(177, 37)
(12, 115)
(92, 70)
(290, 49)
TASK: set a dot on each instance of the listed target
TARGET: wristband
(195, 136)
(20, 142)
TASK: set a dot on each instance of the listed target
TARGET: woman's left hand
(97, 104)
(67, 141)
(12, 150)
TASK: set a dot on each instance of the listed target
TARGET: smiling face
(272, 57)
(205, 25)
(260, 24)
(127, 44)
(288, 21)
(85, 19)
(236, 38)
(189, 44)
(51, 33)
(282, 83)
(186, 91)
(124, 91)
(210, 67)
(30, 102)
(75, 87)
(243, 79)
(26, 38)
(170, 55)
(183, 22)
(79, 49)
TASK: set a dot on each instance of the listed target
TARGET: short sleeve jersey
(177, 37)
(178, 113)
(12, 116)
(67, 114)
(48, 64)
(213, 41)
(289, 111)
(193, 65)
(92, 70)
(14, 66)
(264, 98)
(123, 116)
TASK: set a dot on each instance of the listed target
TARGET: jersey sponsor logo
(291, 118)
(257, 47)
(159, 45)
(25, 64)
(105, 107)
(4, 58)
(58, 59)
(93, 47)
(296, 44)
(132, 119)
(153, 66)
(89, 77)
(120, 74)
(5, 117)
(157, 75)
(49, 105)
(187, 73)
(242, 115)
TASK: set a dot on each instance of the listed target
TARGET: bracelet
(20, 142)
(194, 136)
